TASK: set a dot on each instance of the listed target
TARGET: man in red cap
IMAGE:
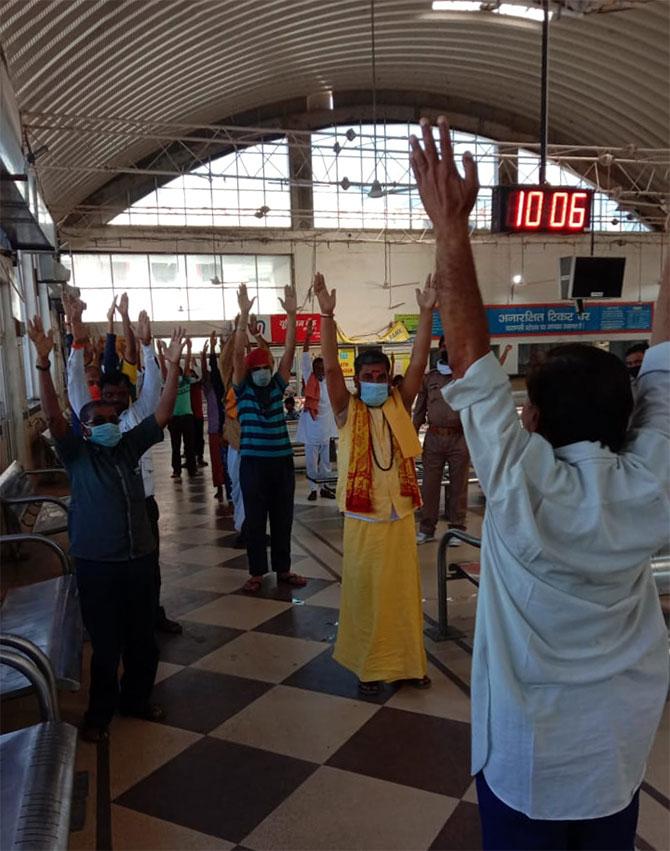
(267, 476)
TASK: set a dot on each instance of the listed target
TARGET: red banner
(278, 327)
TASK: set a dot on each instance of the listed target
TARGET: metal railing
(29, 537)
(444, 632)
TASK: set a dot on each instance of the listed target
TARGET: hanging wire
(374, 83)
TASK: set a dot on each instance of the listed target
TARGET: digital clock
(541, 209)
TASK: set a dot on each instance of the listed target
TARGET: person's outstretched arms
(426, 300)
(448, 199)
(241, 338)
(151, 386)
(77, 387)
(290, 305)
(337, 389)
(110, 359)
(44, 344)
(168, 397)
(130, 343)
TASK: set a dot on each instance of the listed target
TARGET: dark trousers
(183, 426)
(118, 607)
(505, 829)
(199, 437)
(153, 514)
(268, 487)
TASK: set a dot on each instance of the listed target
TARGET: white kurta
(570, 666)
(320, 430)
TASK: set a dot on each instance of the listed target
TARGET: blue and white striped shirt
(261, 415)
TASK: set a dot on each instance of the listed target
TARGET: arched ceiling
(171, 67)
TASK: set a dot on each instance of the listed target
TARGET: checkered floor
(267, 744)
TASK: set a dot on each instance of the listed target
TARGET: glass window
(169, 305)
(201, 268)
(205, 303)
(239, 269)
(130, 271)
(167, 270)
(92, 271)
(97, 303)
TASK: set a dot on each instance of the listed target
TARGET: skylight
(513, 10)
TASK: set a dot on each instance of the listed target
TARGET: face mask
(633, 371)
(443, 368)
(373, 394)
(261, 377)
(107, 434)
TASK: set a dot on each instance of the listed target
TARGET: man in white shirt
(317, 426)
(116, 390)
(570, 664)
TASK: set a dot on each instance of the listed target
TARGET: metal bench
(37, 762)
(660, 569)
(48, 615)
(26, 511)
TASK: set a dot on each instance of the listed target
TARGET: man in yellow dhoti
(380, 636)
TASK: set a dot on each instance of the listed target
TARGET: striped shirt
(264, 432)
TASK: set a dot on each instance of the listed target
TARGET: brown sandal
(292, 579)
(252, 585)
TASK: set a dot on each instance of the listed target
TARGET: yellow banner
(397, 333)
(347, 357)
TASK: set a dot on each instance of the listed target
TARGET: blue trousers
(505, 829)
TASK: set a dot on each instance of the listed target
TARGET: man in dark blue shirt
(111, 539)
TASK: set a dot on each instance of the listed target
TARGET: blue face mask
(373, 394)
(261, 377)
(107, 434)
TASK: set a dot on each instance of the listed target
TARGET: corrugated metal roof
(173, 63)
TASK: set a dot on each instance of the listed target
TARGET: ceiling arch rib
(191, 61)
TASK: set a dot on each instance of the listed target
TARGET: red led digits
(578, 210)
(559, 210)
(543, 209)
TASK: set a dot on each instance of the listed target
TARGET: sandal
(292, 579)
(253, 585)
(369, 689)
(423, 682)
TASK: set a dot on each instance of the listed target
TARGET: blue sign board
(523, 320)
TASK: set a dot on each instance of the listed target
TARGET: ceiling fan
(387, 283)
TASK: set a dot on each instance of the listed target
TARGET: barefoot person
(267, 476)
(380, 637)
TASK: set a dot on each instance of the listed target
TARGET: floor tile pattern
(267, 743)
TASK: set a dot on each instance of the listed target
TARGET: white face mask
(443, 368)
(261, 377)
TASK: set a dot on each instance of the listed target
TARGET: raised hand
(212, 342)
(112, 310)
(205, 347)
(161, 346)
(254, 325)
(446, 196)
(290, 301)
(326, 299)
(43, 342)
(427, 298)
(189, 343)
(176, 346)
(244, 302)
(144, 328)
(123, 306)
(309, 331)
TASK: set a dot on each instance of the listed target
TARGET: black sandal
(369, 689)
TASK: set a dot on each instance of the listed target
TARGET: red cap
(258, 357)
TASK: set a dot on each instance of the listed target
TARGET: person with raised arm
(111, 540)
(115, 389)
(570, 663)
(316, 426)
(182, 424)
(380, 636)
(267, 475)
